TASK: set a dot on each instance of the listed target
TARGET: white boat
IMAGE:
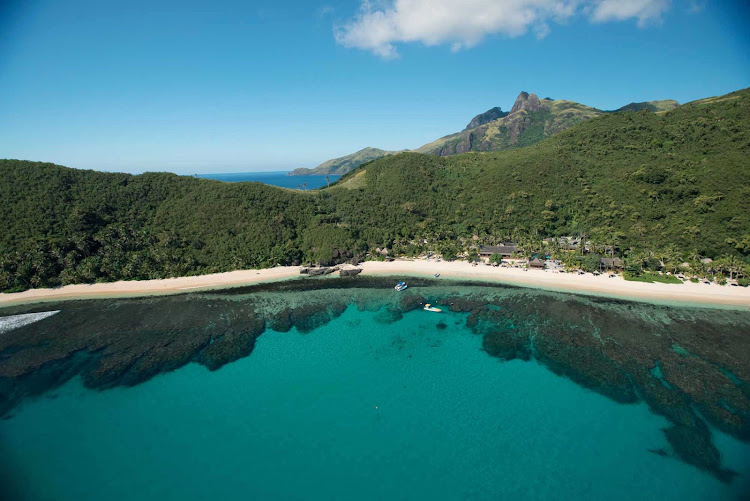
(428, 307)
(401, 286)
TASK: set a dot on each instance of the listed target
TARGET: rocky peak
(486, 117)
(526, 101)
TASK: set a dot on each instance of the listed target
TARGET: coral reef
(689, 365)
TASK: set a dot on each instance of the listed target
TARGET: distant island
(529, 121)
(666, 193)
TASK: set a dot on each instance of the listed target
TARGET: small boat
(427, 307)
(401, 286)
(437, 275)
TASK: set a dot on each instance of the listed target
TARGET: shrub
(496, 258)
(652, 277)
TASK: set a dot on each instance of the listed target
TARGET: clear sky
(198, 87)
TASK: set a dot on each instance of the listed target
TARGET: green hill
(529, 121)
(677, 181)
(655, 106)
(344, 164)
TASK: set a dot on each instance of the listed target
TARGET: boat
(401, 286)
(437, 275)
(427, 307)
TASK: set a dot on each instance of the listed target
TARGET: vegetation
(519, 128)
(659, 190)
(649, 277)
(344, 164)
(655, 106)
(496, 258)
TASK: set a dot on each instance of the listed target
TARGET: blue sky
(216, 86)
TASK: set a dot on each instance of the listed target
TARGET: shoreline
(687, 293)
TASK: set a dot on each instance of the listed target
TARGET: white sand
(699, 294)
(602, 285)
(152, 287)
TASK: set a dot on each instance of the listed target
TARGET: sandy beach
(602, 285)
(689, 293)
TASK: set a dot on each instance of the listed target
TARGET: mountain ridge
(529, 121)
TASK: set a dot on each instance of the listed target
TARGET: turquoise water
(274, 178)
(353, 410)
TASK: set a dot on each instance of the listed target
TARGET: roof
(536, 262)
(498, 249)
(609, 261)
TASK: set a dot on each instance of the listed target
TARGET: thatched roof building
(506, 250)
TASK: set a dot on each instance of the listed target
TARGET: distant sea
(274, 178)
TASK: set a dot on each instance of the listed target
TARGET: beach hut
(536, 263)
(611, 263)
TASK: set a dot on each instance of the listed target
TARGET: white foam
(11, 322)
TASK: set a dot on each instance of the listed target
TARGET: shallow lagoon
(365, 405)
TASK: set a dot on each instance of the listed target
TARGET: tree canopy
(674, 183)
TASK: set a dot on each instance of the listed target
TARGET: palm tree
(583, 243)
(665, 256)
(729, 263)
(671, 258)
(638, 258)
(304, 185)
(328, 182)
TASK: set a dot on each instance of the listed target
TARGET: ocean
(274, 178)
(345, 389)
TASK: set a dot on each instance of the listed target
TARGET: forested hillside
(342, 165)
(635, 180)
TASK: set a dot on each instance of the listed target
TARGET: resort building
(506, 250)
(611, 263)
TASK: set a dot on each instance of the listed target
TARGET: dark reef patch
(507, 345)
(233, 344)
(281, 321)
(126, 342)
(612, 347)
(689, 365)
(388, 315)
(411, 301)
(693, 445)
